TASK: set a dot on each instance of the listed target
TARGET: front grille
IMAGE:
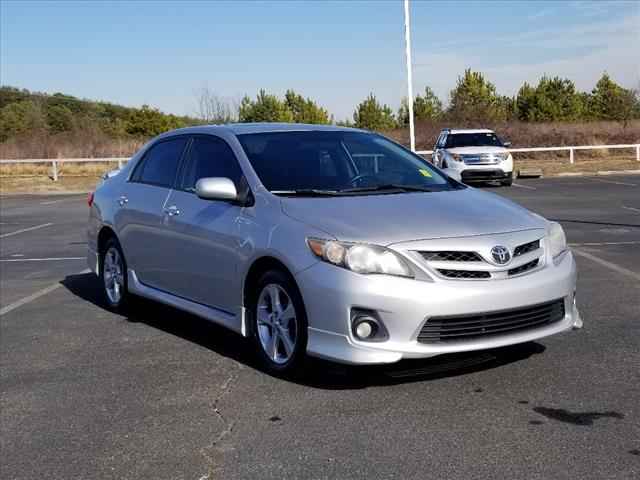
(464, 274)
(461, 327)
(451, 256)
(524, 268)
(480, 159)
(526, 248)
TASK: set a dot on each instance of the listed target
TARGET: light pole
(407, 42)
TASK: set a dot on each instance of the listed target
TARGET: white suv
(474, 155)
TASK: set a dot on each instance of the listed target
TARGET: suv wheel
(278, 323)
(113, 273)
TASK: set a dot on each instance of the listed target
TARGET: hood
(393, 218)
(475, 150)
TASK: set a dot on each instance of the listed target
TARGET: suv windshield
(473, 140)
(339, 162)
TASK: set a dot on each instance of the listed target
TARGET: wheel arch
(258, 267)
(105, 233)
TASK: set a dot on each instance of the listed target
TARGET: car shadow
(316, 373)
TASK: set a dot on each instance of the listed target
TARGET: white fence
(120, 161)
(569, 149)
(56, 161)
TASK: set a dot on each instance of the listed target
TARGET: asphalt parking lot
(161, 394)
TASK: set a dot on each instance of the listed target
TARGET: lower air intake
(463, 327)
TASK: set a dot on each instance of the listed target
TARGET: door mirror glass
(216, 188)
(506, 144)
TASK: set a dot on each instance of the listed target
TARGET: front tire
(113, 273)
(507, 183)
(278, 323)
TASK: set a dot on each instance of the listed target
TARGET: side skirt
(226, 319)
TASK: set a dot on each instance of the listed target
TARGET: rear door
(139, 220)
(204, 233)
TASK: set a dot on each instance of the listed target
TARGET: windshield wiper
(387, 187)
(306, 192)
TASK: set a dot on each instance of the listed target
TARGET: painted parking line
(633, 209)
(68, 199)
(524, 186)
(36, 227)
(604, 244)
(613, 182)
(50, 259)
(34, 296)
(606, 264)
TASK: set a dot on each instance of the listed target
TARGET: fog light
(364, 329)
(367, 326)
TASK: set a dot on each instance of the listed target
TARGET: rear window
(455, 140)
(160, 164)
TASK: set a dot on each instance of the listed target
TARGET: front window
(338, 162)
(488, 139)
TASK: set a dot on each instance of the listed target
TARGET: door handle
(172, 211)
(123, 200)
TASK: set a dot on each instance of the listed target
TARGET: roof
(469, 130)
(263, 127)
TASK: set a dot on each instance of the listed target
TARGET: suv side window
(210, 156)
(443, 140)
(160, 165)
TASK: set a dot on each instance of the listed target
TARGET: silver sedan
(327, 241)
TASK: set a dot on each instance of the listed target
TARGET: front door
(204, 234)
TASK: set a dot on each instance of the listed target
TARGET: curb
(601, 173)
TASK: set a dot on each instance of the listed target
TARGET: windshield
(337, 161)
(473, 140)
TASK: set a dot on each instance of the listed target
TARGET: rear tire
(113, 275)
(278, 323)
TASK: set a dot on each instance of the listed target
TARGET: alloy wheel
(113, 275)
(276, 322)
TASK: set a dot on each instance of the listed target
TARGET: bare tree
(213, 108)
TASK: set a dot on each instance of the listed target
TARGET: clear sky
(162, 52)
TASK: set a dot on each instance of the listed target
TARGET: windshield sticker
(425, 173)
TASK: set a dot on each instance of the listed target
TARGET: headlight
(557, 239)
(360, 257)
(503, 157)
(456, 156)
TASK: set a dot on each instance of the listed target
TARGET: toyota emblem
(500, 254)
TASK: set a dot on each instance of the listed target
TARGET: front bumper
(485, 175)
(482, 172)
(404, 305)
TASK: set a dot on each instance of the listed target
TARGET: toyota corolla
(327, 241)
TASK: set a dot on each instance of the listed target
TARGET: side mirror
(216, 188)
(506, 144)
(455, 174)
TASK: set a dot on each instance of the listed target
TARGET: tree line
(473, 100)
